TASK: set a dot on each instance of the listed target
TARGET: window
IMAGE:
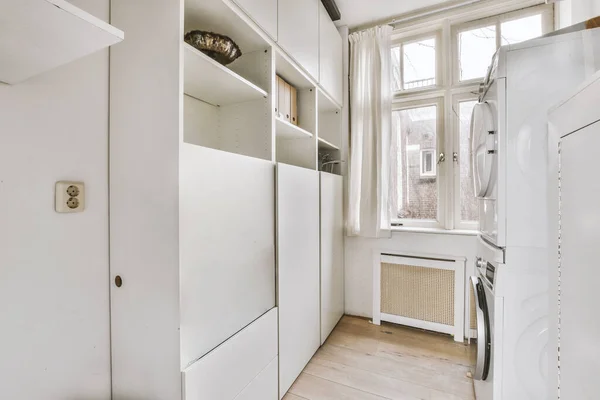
(477, 47)
(414, 64)
(418, 134)
(436, 78)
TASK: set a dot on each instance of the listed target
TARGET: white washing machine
(511, 299)
(509, 155)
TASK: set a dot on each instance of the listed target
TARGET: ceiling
(364, 12)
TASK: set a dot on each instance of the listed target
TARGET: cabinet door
(579, 273)
(299, 32)
(332, 253)
(298, 270)
(263, 12)
(331, 67)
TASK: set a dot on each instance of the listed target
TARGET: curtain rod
(434, 11)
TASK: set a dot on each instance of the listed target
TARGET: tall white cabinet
(332, 251)
(574, 194)
(215, 203)
(298, 32)
(298, 270)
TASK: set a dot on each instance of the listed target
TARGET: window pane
(477, 47)
(522, 29)
(417, 194)
(396, 77)
(468, 203)
(419, 64)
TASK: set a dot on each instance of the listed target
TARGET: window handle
(441, 158)
(455, 157)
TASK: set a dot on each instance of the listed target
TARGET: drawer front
(240, 368)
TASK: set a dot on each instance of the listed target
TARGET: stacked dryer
(509, 155)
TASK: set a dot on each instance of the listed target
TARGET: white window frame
(460, 97)
(438, 102)
(439, 81)
(546, 10)
(449, 90)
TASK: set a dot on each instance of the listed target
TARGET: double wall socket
(69, 197)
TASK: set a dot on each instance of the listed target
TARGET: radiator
(422, 292)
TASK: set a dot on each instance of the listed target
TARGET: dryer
(508, 132)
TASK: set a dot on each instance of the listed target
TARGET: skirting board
(417, 323)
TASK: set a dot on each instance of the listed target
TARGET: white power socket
(69, 197)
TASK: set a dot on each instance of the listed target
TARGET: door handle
(441, 158)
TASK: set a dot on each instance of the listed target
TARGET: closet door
(330, 59)
(263, 12)
(579, 273)
(332, 253)
(298, 270)
(298, 32)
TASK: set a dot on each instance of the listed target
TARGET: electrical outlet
(69, 197)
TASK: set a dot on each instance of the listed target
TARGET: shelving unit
(39, 35)
(326, 146)
(286, 130)
(208, 81)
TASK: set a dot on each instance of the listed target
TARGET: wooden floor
(367, 362)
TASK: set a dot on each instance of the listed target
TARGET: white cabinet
(298, 270)
(240, 368)
(573, 209)
(298, 32)
(263, 12)
(226, 278)
(332, 253)
(330, 57)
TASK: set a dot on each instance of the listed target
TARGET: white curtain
(373, 156)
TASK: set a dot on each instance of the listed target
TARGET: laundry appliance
(509, 157)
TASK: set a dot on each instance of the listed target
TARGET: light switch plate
(69, 197)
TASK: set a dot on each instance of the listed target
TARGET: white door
(298, 270)
(483, 149)
(330, 58)
(332, 253)
(263, 12)
(298, 32)
(579, 272)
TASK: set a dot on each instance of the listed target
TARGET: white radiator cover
(423, 292)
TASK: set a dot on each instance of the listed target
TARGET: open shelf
(286, 130)
(327, 104)
(290, 72)
(207, 80)
(40, 35)
(325, 145)
(218, 16)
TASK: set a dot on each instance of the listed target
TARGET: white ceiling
(362, 12)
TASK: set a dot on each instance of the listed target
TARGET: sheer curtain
(373, 156)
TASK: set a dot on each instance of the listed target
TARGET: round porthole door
(484, 342)
(483, 149)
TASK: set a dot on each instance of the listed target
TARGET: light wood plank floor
(367, 362)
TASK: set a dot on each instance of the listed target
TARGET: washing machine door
(484, 339)
(484, 146)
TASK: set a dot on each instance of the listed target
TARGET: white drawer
(241, 368)
(264, 386)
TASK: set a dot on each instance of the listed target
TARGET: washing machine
(509, 153)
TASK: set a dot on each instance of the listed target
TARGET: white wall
(359, 261)
(574, 11)
(54, 304)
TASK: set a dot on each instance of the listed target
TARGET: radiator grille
(425, 294)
